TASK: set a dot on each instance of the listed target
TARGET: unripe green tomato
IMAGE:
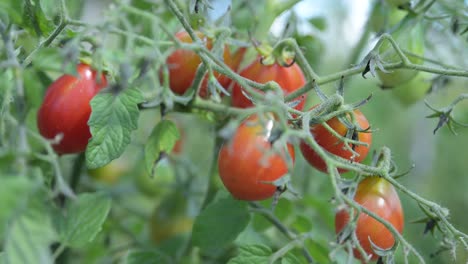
(170, 218)
(157, 184)
(414, 90)
(410, 39)
(110, 173)
(384, 17)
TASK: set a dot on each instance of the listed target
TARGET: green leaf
(84, 219)
(290, 258)
(258, 254)
(112, 121)
(319, 23)
(30, 234)
(302, 223)
(162, 138)
(12, 8)
(34, 89)
(146, 257)
(35, 19)
(52, 59)
(220, 223)
(14, 192)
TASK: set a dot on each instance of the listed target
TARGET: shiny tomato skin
(66, 109)
(183, 65)
(243, 167)
(289, 78)
(379, 196)
(333, 145)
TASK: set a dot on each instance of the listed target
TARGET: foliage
(52, 212)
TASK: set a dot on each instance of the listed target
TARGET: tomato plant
(378, 196)
(289, 78)
(65, 110)
(333, 145)
(183, 65)
(245, 167)
(235, 154)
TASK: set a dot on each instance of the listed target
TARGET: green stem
(76, 171)
(62, 25)
(268, 214)
(58, 251)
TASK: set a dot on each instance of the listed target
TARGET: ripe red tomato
(335, 146)
(243, 165)
(66, 109)
(379, 196)
(183, 65)
(289, 78)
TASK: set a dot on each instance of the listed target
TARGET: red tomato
(379, 196)
(183, 65)
(66, 109)
(289, 78)
(243, 167)
(335, 146)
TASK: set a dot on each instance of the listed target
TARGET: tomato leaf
(162, 139)
(146, 257)
(289, 258)
(12, 8)
(220, 223)
(252, 254)
(13, 192)
(112, 120)
(84, 219)
(35, 19)
(53, 59)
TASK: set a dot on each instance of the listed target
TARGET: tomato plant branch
(405, 63)
(52, 158)
(268, 214)
(206, 56)
(439, 211)
(389, 226)
(301, 59)
(58, 252)
(343, 198)
(20, 99)
(298, 242)
(76, 171)
(63, 22)
(209, 105)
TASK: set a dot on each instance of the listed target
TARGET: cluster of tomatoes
(247, 164)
